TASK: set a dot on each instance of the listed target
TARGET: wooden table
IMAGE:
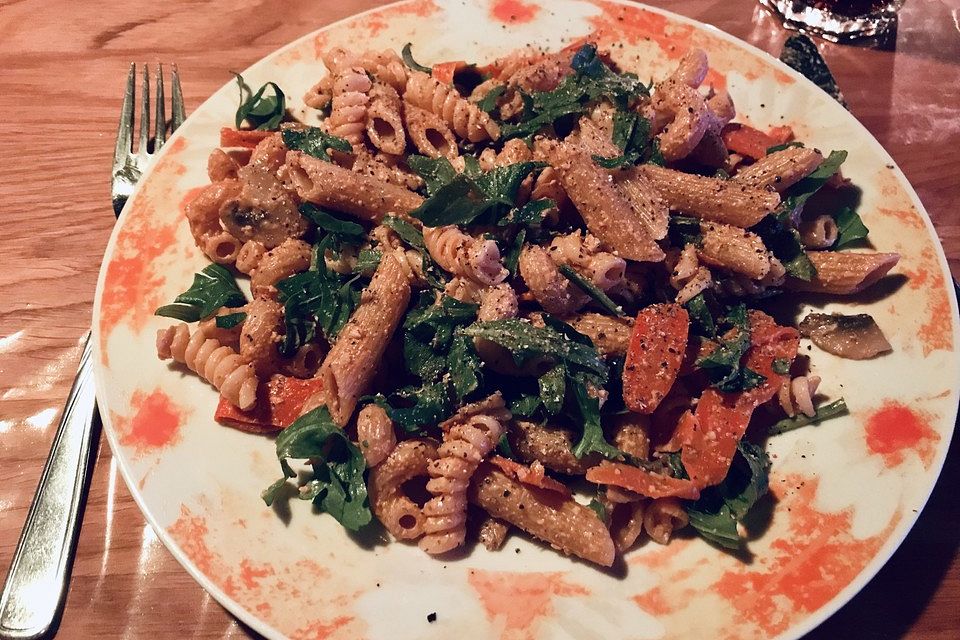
(63, 65)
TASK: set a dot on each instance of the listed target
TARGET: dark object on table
(800, 53)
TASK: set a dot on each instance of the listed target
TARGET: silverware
(33, 594)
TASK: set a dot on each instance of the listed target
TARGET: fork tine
(160, 117)
(176, 101)
(144, 111)
(125, 127)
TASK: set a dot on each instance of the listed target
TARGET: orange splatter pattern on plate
(805, 568)
(895, 428)
(155, 422)
(519, 600)
(513, 11)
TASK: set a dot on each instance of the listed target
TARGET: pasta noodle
(796, 396)
(375, 434)
(609, 334)
(555, 293)
(662, 517)
(468, 437)
(844, 273)
(461, 116)
(492, 533)
(781, 169)
(221, 366)
(393, 507)
(465, 255)
(819, 233)
(549, 444)
(260, 334)
(734, 249)
(604, 269)
(289, 257)
(352, 362)
(430, 134)
(384, 120)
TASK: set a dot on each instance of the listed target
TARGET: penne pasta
(844, 273)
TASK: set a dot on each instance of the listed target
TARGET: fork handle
(33, 594)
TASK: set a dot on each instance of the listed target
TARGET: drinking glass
(837, 20)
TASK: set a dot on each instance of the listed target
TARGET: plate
(846, 492)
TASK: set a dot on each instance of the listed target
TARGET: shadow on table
(890, 604)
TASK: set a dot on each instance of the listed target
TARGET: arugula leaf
(631, 134)
(504, 448)
(700, 315)
(263, 112)
(314, 142)
(436, 172)
(849, 227)
(592, 440)
(315, 298)
(723, 365)
(337, 486)
(684, 230)
(525, 405)
(592, 79)
(410, 62)
(214, 287)
(553, 388)
(597, 507)
(785, 145)
(595, 293)
(489, 102)
(445, 362)
(526, 341)
(511, 258)
(718, 510)
(800, 192)
(343, 230)
(230, 320)
(463, 199)
(824, 412)
(784, 242)
(367, 261)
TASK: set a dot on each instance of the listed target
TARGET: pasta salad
(527, 294)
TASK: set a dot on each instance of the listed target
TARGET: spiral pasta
(468, 438)
(221, 366)
(662, 517)
(796, 395)
(399, 514)
(349, 104)
(464, 255)
(555, 293)
(583, 252)
(688, 277)
(465, 118)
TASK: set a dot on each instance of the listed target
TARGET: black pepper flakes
(432, 617)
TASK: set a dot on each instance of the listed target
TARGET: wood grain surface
(62, 67)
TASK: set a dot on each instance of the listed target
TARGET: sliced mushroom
(854, 337)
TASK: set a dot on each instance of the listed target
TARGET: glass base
(803, 16)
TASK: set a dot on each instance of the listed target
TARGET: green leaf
(597, 507)
(592, 79)
(700, 316)
(489, 102)
(413, 237)
(504, 448)
(314, 142)
(781, 366)
(849, 227)
(337, 486)
(684, 230)
(367, 261)
(631, 134)
(595, 293)
(781, 147)
(315, 298)
(525, 406)
(463, 363)
(264, 112)
(344, 229)
(512, 257)
(230, 320)
(592, 440)
(182, 312)
(526, 341)
(718, 510)
(214, 287)
(723, 365)
(824, 412)
(410, 62)
(800, 192)
(553, 388)
(784, 242)
(436, 172)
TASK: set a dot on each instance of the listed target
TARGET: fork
(34, 592)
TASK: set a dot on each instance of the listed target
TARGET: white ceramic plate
(847, 492)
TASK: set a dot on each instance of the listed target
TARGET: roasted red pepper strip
(279, 403)
(232, 138)
(654, 355)
(722, 418)
(646, 483)
(444, 71)
(534, 477)
(747, 141)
